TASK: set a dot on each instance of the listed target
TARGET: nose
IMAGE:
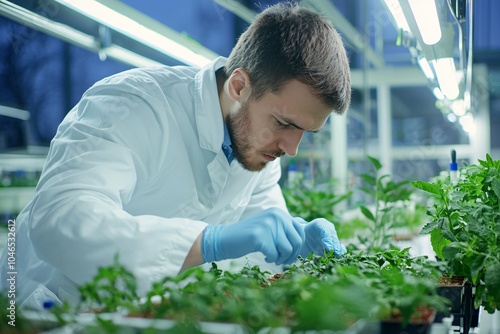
(290, 141)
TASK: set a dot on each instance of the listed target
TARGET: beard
(239, 127)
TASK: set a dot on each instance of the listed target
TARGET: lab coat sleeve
(114, 137)
(267, 194)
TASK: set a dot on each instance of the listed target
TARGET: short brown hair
(287, 42)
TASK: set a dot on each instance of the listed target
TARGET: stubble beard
(239, 128)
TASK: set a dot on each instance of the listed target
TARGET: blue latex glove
(320, 236)
(272, 232)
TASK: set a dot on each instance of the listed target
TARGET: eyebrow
(289, 122)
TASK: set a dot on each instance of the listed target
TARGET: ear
(238, 85)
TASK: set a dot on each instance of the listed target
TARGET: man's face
(272, 126)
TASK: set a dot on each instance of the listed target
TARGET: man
(175, 167)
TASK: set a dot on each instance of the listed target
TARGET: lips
(269, 157)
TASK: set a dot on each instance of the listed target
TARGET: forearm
(195, 256)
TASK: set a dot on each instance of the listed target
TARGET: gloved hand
(320, 236)
(272, 232)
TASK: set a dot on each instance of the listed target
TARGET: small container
(454, 168)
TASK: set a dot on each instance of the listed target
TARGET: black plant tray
(455, 293)
(462, 307)
(396, 328)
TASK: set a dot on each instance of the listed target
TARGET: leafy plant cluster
(310, 201)
(376, 282)
(400, 283)
(316, 293)
(387, 197)
(391, 207)
(465, 227)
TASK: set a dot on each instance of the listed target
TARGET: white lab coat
(136, 169)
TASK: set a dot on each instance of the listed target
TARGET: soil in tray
(420, 324)
(451, 281)
(452, 289)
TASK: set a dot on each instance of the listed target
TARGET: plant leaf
(428, 187)
(495, 184)
(367, 213)
(438, 242)
(448, 234)
(370, 179)
(492, 281)
(476, 267)
(479, 295)
(451, 250)
(375, 162)
(429, 227)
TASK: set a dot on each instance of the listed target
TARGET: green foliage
(411, 216)
(333, 304)
(391, 210)
(112, 287)
(350, 228)
(386, 195)
(396, 281)
(314, 294)
(465, 227)
(311, 201)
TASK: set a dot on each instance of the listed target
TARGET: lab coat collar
(208, 112)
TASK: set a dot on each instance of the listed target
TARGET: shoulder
(149, 82)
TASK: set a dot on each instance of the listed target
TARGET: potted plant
(465, 227)
(453, 288)
(404, 287)
(350, 294)
(389, 199)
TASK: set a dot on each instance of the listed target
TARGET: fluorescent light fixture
(451, 117)
(437, 93)
(117, 21)
(426, 16)
(397, 12)
(71, 35)
(447, 78)
(14, 113)
(458, 107)
(467, 122)
(426, 68)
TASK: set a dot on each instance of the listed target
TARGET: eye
(281, 124)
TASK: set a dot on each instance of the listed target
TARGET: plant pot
(452, 288)
(388, 327)
(459, 292)
(418, 325)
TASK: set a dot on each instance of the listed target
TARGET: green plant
(311, 201)
(399, 283)
(391, 257)
(385, 194)
(411, 217)
(315, 293)
(113, 287)
(465, 227)
(348, 229)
